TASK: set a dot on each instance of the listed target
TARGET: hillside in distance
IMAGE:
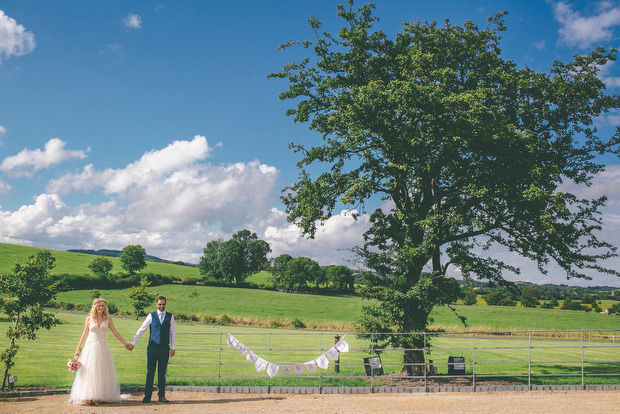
(77, 263)
(117, 253)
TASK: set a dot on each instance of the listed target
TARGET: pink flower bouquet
(73, 364)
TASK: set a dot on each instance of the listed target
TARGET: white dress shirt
(147, 322)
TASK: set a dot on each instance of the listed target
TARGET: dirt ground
(195, 402)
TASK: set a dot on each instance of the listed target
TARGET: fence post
(269, 359)
(425, 364)
(473, 362)
(372, 371)
(529, 360)
(321, 371)
(583, 380)
(337, 361)
(219, 364)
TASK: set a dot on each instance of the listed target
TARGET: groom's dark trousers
(157, 356)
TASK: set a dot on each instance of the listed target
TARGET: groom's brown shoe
(164, 400)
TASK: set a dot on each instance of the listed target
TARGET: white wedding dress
(96, 379)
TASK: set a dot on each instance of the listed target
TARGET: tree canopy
(235, 259)
(133, 258)
(295, 273)
(101, 266)
(466, 149)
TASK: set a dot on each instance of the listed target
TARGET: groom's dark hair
(161, 298)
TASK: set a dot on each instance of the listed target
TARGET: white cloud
(31, 221)
(582, 31)
(172, 203)
(330, 245)
(15, 40)
(27, 162)
(133, 21)
(172, 189)
(169, 201)
(151, 167)
(2, 130)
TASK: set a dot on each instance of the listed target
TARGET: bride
(96, 381)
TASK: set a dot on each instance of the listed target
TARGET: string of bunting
(272, 368)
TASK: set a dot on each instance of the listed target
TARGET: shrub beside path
(195, 402)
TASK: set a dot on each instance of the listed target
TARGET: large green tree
(235, 259)
(340, 277)
(466, 149)
(22, 296)
(296, 273)
(133, 258)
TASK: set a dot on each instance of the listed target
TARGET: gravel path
(547, 402)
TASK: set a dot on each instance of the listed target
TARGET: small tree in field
(22, 295)
(192, 296)
(141, 297)
(133, 258)
(101, 267)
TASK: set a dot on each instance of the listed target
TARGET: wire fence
(468, 360)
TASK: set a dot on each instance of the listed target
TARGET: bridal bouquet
(73, 364)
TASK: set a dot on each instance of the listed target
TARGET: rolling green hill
(251, 305)
(77, 263)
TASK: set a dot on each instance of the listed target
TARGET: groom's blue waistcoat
(160, 331)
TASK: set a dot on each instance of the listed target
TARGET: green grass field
(250, 304)
(340, 312)
(201, 348)
(42, 363)
(77, 263)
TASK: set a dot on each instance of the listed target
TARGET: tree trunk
(5, 374)
(414, 356)
(10, 354)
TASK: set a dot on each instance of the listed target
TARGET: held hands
(129, 347)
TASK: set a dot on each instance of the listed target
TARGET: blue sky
(153, 123)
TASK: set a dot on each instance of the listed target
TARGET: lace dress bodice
(97, 333)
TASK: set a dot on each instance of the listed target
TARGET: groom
(162, 342)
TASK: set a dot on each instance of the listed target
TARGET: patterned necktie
(161, 317)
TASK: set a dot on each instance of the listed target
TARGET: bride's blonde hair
(93, 310)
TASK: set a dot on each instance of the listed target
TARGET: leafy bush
(498, 298)
(182, 316)
(298, 324)
(68, 281)
(112, 308)
(190, 281)
(574, 305)
(615, 308)
(124, 281)
(275, 324)
(207, 318)
(225, 320)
